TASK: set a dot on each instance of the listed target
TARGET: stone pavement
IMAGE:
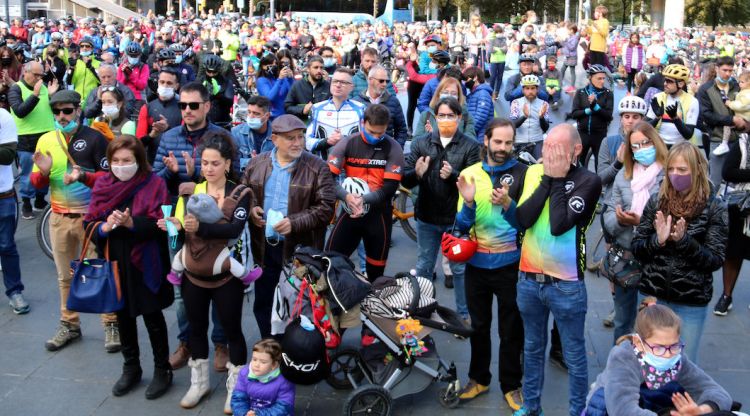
(77, 380)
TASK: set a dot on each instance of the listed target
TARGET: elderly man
(370, 58)
(108, 76)
(376, 93)
(293, 185)
(29, 105)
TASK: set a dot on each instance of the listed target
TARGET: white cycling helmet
(632, 104)
(530, 80)
(356, 186)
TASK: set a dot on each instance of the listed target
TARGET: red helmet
(434, 38)
(458, 247)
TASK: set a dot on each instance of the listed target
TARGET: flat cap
(65, 97)
(287, 123)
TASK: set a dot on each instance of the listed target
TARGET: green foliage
(714, 13)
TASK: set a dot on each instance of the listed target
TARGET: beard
(498, 156)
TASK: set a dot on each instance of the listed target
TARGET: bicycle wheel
(405, 204)
(42, 232)
(595, 253)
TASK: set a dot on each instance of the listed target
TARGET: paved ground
(77, 380)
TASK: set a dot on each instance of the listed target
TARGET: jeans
(496, 76)
(715, 165)
(626, 309)
(428, 243)
(567, 300)
(25, 189)
(362, 256)
(693, 319)
(8, 251)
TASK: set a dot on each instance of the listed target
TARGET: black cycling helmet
(133, 49)
(165, 54)
(441, 57)
(596, 69)
(212, 62)
(178, 47)
(526, 57)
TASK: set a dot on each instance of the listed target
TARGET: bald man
(555, 209)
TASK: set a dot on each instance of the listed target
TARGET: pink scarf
(643, 180)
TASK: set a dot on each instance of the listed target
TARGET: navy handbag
(95, 287)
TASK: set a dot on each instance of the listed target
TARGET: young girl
(261, 390)
(647, 371)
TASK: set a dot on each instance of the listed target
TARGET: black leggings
(591, 141)
(631, 79)
(597, 58)
(374, 229)
(157, 335)
(227, 300)
(413, 89)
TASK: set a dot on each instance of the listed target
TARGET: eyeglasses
(669, 81)
(67, 111)
(446, 117)
(641, 145)
(36, 74)
(86, 46)
(106, 88)
(661, 350)
(193, 105)
(341, 82)
(380, 81)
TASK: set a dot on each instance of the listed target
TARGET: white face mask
(111, 111)
(124, 172)
(165, 93)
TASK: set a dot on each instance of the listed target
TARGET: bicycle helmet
(458, 247)
(433, 38)
(178, 47)
(441, 57)
(632, 104)
(356, 186)
(187, 54)
(212, 62)
(165, 54)
(526, 58)
(133, 49)
(87, 40)
(529, 81)
(596, 69)
(677, 72)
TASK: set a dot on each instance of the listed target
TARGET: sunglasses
(193, 106)
(380, 81)
(66, 111)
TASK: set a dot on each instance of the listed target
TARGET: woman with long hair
(274, 82)
(681, 240)
(10, 73)
(449, 86)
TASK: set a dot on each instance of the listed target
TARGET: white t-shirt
(445, 140)
(8, 134)
(668, 131)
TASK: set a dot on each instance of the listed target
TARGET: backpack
(304, 359)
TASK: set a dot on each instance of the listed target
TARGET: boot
(231, 382)
(221, 357)
(179, 357)
(198, 383)
(131, 375)
(160, 383)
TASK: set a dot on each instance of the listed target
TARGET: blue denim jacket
(248, 140)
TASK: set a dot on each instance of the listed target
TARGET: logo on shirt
(79, 145)
(507, 179)
(104, 163)
(333, 161)
(569, 185)
(395, 169)
(240, 213)
(577, 204)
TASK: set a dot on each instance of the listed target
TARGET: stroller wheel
(344, 364)
(448, 396)
(369, 399)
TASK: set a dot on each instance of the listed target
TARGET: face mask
(529, 33)
(133, 60)
(721, 80)
(178, 59)
(137, 35)
(370, 139)
(272, 219)
(6, 61)
(433, 65)
(124, 173)
(254, 123)
(165, 93)
(273, 70)
(552, 67)
(681, 183)
(432, 49)
(469, 84)
(446, 95)
(111, 111)
(69, 128)
(645, 156)
(85, 53)
(447, 128)
(661, 363)
(329, 62)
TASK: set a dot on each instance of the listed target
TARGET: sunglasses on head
(193, 106)
(66, 111)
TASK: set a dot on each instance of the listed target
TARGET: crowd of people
(111, 123)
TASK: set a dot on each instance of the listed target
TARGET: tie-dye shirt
(556, 213)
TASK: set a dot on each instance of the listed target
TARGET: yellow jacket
(599, 31)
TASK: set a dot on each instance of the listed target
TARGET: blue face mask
(661, 363)
(432, 49)
(329, 62)
(645, 156)
(722, 80)
(272, 218)
(68, 128)
(370, 139)
(178, 59)
(85, 53)
(133, 60)
(254, 123)
(433, 65)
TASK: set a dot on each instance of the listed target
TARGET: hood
(484, 87)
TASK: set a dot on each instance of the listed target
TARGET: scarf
(643, 180)
(264, 378)
(147, 192)
(653, 378)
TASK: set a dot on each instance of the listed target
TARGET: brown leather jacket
(312, 197)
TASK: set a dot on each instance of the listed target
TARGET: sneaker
(609, 321)
(514, 399)
(527, 412)
(19, 304)
(723, 306)
(556, 358)
(449, 281)
(112, 337)
(472, 390)
(722, 149)
(39, 203)
(66, 333)
(27, 212)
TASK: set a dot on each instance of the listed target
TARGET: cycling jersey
(373, 163)
(326, 119)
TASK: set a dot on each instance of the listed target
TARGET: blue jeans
(25, 188)
(626, 308)
(428, 244)
(362, 257)
(693, 319)
(8, 251)
(496, 76)
(567, 302)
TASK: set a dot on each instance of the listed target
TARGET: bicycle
(42, 232)
(403, 210)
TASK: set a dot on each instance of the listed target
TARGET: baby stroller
(383, 368)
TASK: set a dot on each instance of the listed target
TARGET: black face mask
(272, 70)
(469, 84)
(6, 61)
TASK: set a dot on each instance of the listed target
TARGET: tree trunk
(375, 8)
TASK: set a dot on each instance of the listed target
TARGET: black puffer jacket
(682, 272)
(598, 121)
(438, 198)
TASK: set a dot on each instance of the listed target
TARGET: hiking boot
(556, 358)
(19, 304)
(472, 390)
(723, 306)
(112, 337)
(180, 356)
(527, 412)
(514, 399)
(609, 321)
(39, 203)
(129, 378)
(449, 281)
(221, 357)
(27, 212)
(66, 333)
(160, 383)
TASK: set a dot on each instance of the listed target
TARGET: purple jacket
(275, 398)
(570, 46)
